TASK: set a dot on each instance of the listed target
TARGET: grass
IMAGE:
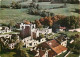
(7, 2)
(67, 33)
(68, 11)
(73, 55)
(62, 55)
(71, 33)
(70, 55)
(17, 15)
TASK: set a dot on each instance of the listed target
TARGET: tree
(19, 45)
(4, 45)
(11, 24)
(76, 47)
(23, 53)
(42, 36)
(15, 5)
(69, 22)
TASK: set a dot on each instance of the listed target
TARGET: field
(7, 2)
(68, 11)
(6, 15)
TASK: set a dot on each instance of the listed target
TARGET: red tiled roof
(62, 27)
(59, 49)
(43, 46)
(51, 53)
(53, 43)
(41, 53)
(56, 47)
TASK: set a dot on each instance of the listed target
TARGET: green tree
(69, 22)
(19, 45)
(42, 36)
(12, 24)
(15, 5)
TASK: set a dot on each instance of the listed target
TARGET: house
(62, 40)
(5, 30)
(50, 49)
(6, 35)
(29, 42)
(75, 30)
(58, 28)
(61, 29)
(12, 45)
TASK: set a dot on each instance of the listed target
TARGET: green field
(7, 2)
(68, 11)
(6, 15)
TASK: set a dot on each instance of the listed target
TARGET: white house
(12, 45)
(77, 30)
(4, 30)
(6, 36)
(62, 40)
(29, 42)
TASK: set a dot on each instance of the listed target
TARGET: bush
(15, 5)
(5, 6)
(73, 1)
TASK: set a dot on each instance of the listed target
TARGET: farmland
(21, 14)
(15, 14)
(7, 2)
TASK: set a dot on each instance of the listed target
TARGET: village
(40, 41)
(40, 28)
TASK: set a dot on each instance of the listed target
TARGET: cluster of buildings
(49, 49)
(30, 34)
(31, 30)
(4, 29)
(41, 47)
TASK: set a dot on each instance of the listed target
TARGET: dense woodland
(67, 21)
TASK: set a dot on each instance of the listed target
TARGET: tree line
(66, 21)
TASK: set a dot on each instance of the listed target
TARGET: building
(61, 29)
(29, 42)
(50, 49)
(75, 30)
(44, 31)
(31, 30)
(12, 45)
(26, 29)
(4, 30)
(62, 40)
(6, 36)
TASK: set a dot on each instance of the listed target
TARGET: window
(30, 44)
